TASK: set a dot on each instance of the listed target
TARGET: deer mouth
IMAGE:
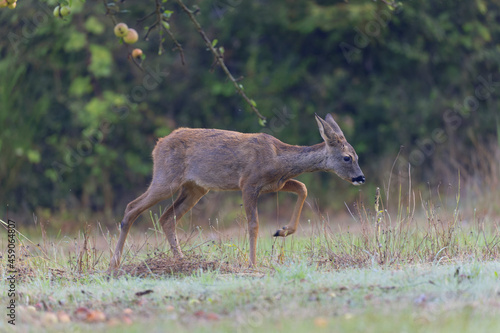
(358, 180)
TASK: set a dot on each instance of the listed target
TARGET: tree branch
(220, 60)
(178, 46)
(393, 4)
(159, 20)
(110, 11)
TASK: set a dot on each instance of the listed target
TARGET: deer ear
(327, 132)
(333, 124)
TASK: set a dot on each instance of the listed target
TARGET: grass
(295, 297)
(417, 266)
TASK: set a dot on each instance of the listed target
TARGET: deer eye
(347, 158)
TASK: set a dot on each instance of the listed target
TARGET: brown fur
(195, 161)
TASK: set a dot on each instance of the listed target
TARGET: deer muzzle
(358, 180)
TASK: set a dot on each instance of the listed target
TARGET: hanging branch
(157, 23)
(178, 46)
(220, 60)
(109, 10)
(162, 24)
(392, 3)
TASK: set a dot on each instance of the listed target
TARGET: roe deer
(194, 161)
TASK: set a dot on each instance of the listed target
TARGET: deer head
(340, 156)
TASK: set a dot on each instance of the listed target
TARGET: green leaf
(484, 32)
(76, 41)
(80, 86)
(100, 61)
(253, 103)
(481, 6)
(51, 174)
(262, 122)
(93, 25)
(162, 131)
(33, 156)
(214, 42)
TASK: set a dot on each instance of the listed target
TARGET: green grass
(297, 297)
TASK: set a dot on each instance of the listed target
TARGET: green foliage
(101, 61)
(79, 120)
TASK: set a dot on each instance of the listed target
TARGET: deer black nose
(358, 180)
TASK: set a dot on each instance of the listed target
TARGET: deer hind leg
(152, 196)
(187, 199)
(250, 197)
(300, 189)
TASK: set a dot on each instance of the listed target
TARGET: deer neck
(301, 159)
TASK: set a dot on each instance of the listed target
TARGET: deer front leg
(300, 189)
(250, 197)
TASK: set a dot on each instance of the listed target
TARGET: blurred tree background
(79, 120)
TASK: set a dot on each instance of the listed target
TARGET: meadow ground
(429, 268)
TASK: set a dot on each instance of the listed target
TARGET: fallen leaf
(199, 313)
(142, 293)
(207, 315)
(63, 317)
(81, 313)
(95, 316)
(49, 318)
(320, 322)
(212, 316)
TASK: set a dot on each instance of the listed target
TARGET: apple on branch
(121, 30)
(131, 37)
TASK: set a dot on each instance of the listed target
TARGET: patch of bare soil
(163, 264)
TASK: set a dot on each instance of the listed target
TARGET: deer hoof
(178, 255)
(282, 232)
(113, 265)
(112, 270)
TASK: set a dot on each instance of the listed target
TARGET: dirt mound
(163, 264)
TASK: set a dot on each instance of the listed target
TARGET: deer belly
(218, 180)
(217, 168)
